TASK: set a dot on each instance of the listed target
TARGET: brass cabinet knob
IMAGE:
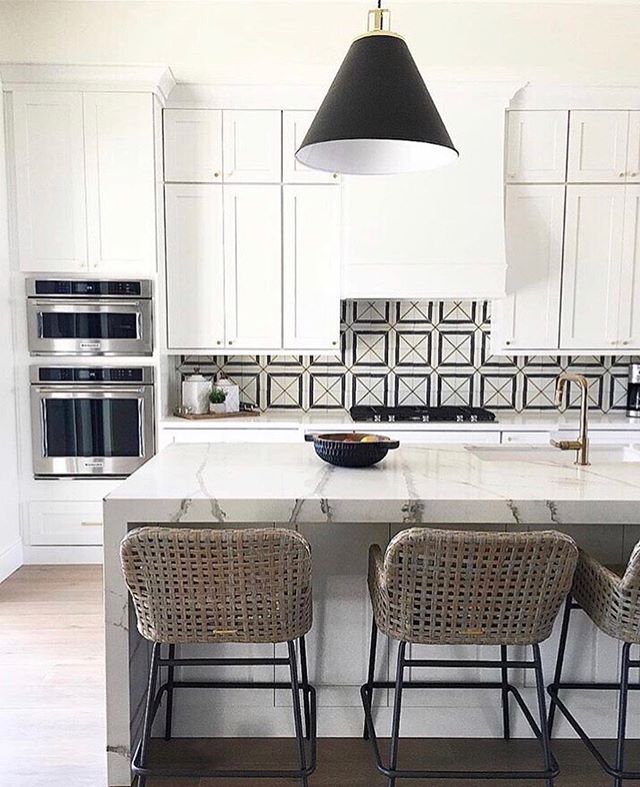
(216, 174)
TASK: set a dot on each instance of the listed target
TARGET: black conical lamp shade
(378, 117)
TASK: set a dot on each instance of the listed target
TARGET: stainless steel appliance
(633, 391)
(89, 421)
(420, 414)
(89, 317)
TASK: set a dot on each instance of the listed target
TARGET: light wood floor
(52, 717)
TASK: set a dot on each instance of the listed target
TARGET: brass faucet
(581, 445)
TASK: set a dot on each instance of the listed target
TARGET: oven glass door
(95, 431)
(90, 327)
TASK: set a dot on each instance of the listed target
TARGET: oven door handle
(81, 302)
(82, 390)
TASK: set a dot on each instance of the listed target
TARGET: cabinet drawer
(65, 524)
(429, 436)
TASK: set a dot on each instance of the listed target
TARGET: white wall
(302, 42)
(10, 543)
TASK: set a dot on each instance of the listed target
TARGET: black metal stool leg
(622, 710)
(148, 711)
(506, 729)
(305, 689)
(371, 670)
(169, 715)
(397, 708)
(297, 712)
(562, 646)
(542, 710)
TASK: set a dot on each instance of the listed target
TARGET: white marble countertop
(531, 421)
(288, 483)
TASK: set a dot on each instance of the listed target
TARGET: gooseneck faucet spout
(581, 445)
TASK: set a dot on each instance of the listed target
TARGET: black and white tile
(413, 353)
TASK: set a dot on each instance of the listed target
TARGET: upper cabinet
(120, 181)
(192, 145)
(573, 278)
(84, 181)
(592, 265)
(212, 145)
(252, 148)
(48, 149)
(311, 238)
(295, 124)
(536, 146)
(598, 142)
(529, 317)
(253, 265)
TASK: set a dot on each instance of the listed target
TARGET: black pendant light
(378, 117)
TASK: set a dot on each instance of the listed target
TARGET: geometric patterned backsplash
(415, 352)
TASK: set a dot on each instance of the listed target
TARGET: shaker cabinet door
(192, 145)
(120, 180)
(592, 267)
(253, 267)
(252, 146)
(49, 178)
(195, 267)
(529, 317)
(295, 124)
(311, 286)
(598, 146)
(536, 146)
(628, 336)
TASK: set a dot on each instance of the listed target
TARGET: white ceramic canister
(195, 393)
(232, 402)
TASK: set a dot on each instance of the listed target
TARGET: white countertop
(288, 483)
(530, 421)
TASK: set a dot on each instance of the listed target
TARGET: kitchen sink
(598, 454)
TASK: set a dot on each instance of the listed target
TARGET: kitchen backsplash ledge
(415, 353)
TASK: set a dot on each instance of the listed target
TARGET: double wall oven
(89, 317)
(89, 418)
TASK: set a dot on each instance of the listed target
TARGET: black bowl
(343, 450)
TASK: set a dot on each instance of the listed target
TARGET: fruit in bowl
(351, 449)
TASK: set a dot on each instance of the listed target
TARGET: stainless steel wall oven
(89, 317)
(89, 421)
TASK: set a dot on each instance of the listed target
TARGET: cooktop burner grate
(419, 414)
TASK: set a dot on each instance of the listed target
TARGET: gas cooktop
(420, 414)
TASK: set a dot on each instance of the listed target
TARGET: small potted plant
(216, 400)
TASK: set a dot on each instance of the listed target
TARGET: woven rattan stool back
(198, 586)
(447, 587)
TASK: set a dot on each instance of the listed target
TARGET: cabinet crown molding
(559, 96)
(157, 79)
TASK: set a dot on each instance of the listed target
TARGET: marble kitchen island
(341, 511)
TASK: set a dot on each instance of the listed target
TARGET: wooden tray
(212, 416)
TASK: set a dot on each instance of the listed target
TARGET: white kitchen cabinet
(311, 267)
(252, 150)
(65, 523)
(529, 317)
(537, 146)
(195, 266)
(253, 267)
(295, 124)
(592, 266)
(120, 182)
(192, 145)
(628, 329)
(598, 142)
(49, 180)
(633, 148)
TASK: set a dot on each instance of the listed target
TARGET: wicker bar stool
(443, 587)
(221, 586)
(610, 596)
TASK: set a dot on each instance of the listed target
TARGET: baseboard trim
(59, 555)
(11, 559)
